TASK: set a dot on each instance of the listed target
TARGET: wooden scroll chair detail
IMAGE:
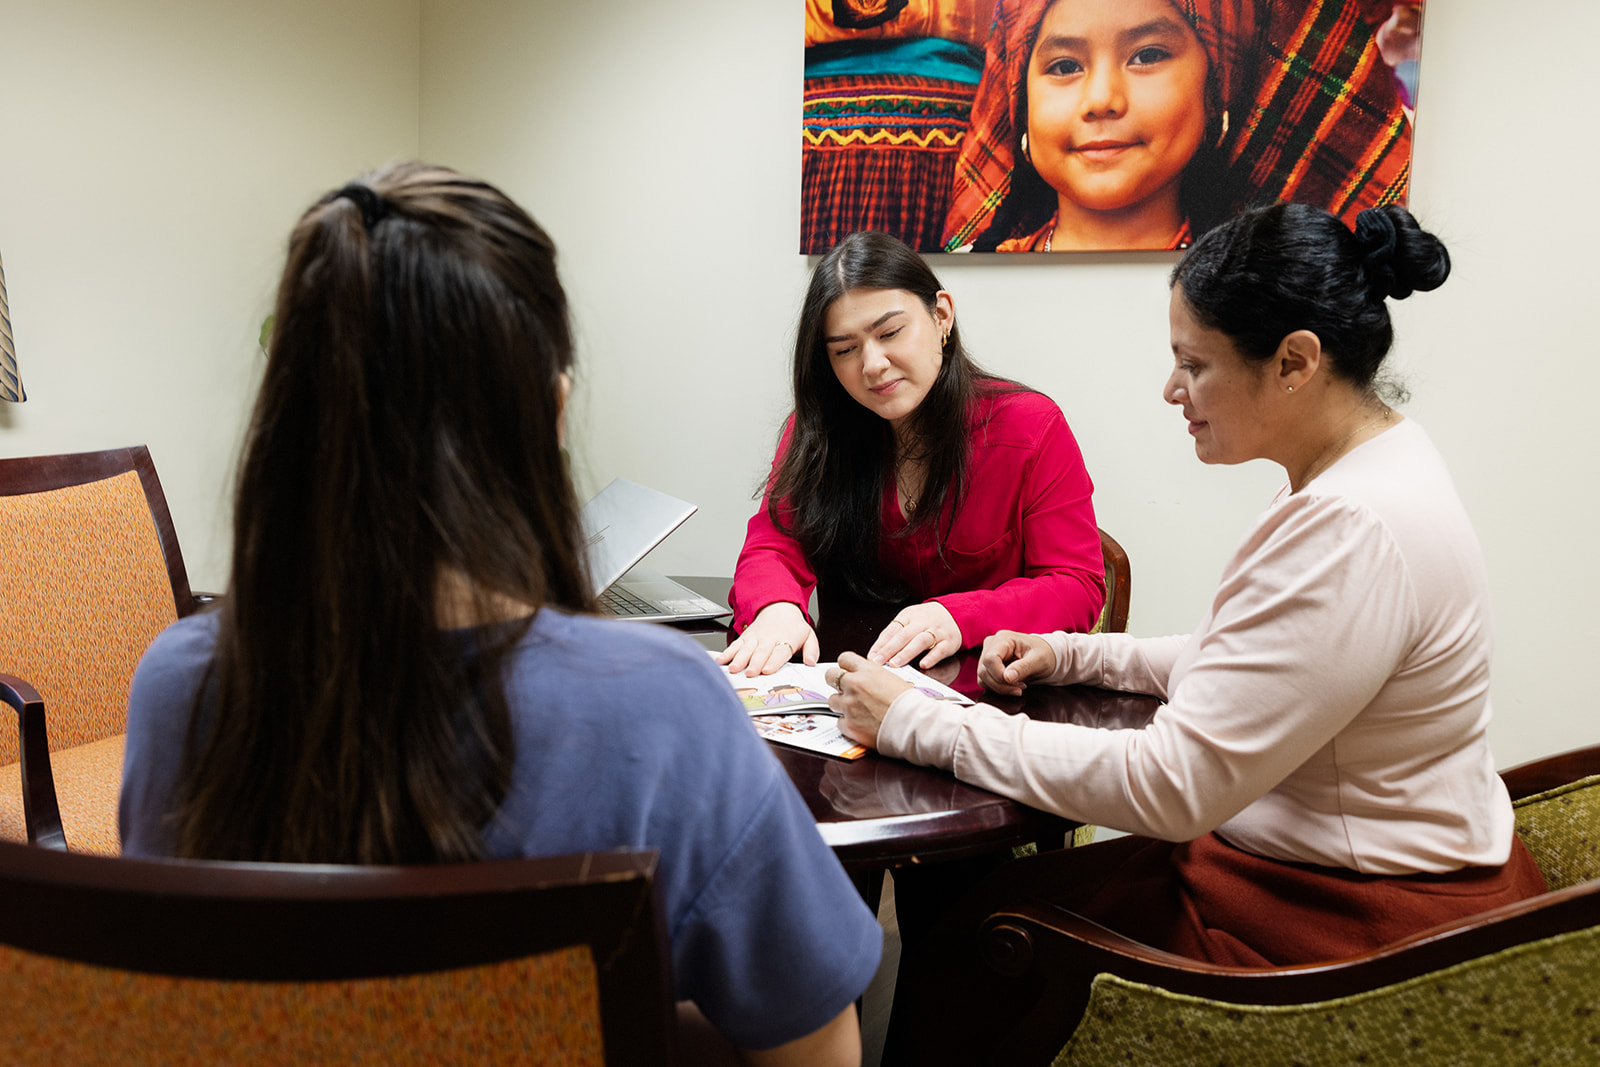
(1519, 984)
(558, 960)
(1113, 620)
(90, 573)
(1119, 584)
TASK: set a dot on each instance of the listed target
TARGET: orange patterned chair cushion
(88, 780)
(534, 1010)
(85, 592)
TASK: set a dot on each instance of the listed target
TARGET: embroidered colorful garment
(879, 143)
(888, 90)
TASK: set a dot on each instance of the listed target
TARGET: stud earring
(1291, 388)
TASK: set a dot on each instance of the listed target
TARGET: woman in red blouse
(907, 475)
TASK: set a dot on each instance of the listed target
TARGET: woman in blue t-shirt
(402, 670)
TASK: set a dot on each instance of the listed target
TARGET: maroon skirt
(1208, 900)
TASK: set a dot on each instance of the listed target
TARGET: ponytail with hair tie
(373, 206)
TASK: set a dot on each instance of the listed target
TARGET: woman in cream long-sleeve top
(1319, 781)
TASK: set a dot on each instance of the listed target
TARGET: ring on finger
(933, 635)
(896, 622)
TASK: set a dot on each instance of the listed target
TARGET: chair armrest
(39, 809)
(1058, 953)
(1538, 775)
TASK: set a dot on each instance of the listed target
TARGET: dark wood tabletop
(876, 812)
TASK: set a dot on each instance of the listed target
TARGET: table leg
(869, 883)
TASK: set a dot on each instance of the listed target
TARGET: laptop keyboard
(619, 602)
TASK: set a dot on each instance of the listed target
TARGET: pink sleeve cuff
(922, 730)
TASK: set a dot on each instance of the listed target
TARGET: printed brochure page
(790, 706)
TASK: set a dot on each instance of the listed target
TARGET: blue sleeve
(769, 937)
(778, 942)
(160, 703)
(628, 734)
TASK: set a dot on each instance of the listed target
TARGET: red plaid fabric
(1328, 127)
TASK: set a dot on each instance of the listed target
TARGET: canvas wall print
(1098, 125)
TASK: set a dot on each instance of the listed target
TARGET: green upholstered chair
(90, 573)
(1517, 985)
(558, 961)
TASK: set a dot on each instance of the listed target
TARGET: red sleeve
(771, 569)
(1059, 581)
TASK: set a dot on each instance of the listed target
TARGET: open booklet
(790, 706)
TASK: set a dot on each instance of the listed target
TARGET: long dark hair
(828, 490)
(406, 432)
(1275, 270)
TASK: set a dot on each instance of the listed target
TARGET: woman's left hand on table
(865, 692)
(925, 629)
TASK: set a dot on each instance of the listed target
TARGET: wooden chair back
(1119, 587)
(551, 960)
(90, 573)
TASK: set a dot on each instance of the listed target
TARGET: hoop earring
(1025, 147)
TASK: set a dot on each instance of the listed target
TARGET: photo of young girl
(1100, 125)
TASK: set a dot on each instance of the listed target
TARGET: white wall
(660, 145)
(153, 156)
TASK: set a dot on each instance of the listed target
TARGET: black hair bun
(1398, 256)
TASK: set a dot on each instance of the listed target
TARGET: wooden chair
(542, 961)
(1520, 984)
(90, 573)
(1119, 587)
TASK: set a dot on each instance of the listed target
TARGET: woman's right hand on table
(1009, 661)
(770, 641)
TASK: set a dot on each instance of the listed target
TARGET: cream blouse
(1331, 707)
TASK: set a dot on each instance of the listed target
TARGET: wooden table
(877, 812)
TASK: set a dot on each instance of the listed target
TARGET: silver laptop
(620, 526)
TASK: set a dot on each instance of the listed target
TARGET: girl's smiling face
(1116, 106)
